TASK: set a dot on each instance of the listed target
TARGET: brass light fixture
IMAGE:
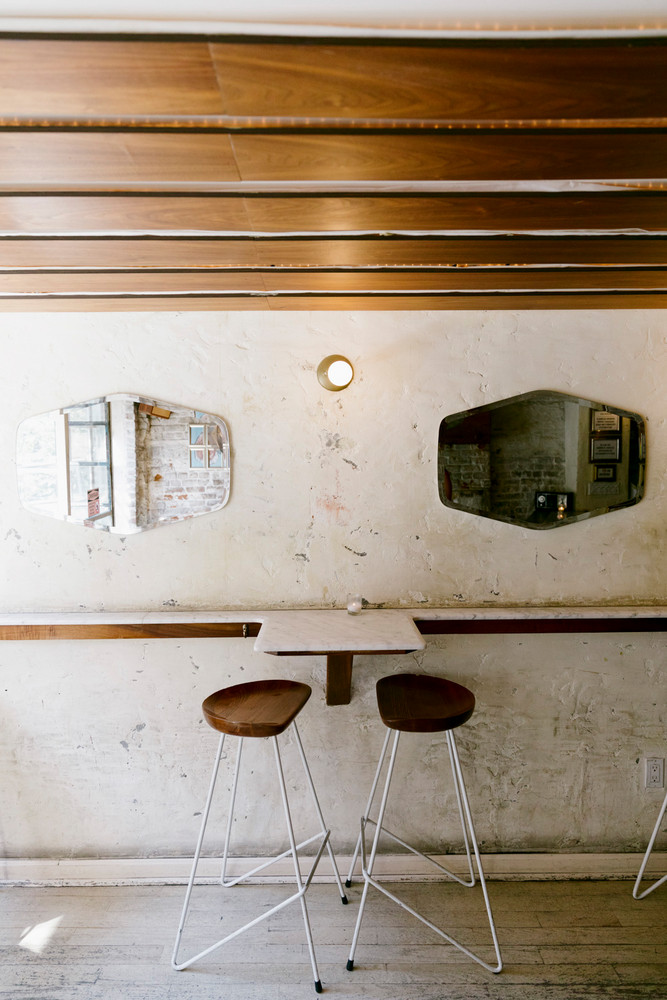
(335, 372)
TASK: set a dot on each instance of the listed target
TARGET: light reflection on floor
(37, 937)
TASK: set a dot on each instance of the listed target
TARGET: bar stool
(260, 709)
(635, 892)
(420, 703)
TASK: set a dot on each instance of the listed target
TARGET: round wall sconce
(335, 372)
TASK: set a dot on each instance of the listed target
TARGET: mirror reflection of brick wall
(168, 488)
(528, 453)
(469, 468)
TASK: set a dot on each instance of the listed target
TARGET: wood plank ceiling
(273, 173)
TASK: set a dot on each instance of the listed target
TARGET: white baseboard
(396, 867)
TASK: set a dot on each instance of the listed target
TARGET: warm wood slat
(352, 252)
(471, 300)
(467, 279)
(455, 279)
(334, 302)
(466, 81)
(499, 156)
(174, 630)
(132, 281)
(114, 157)
(118, 157)
(495, 212)
(581, 211)
(46, 77)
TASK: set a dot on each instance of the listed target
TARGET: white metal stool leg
(468, 832)
(318, 810)
(635, 892)
(369, 806)
(293, 849)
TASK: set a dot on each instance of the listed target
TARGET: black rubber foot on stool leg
(348, 883)
(318, 986)
(350, 964)
(344, 900)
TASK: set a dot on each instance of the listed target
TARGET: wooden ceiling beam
(329, 251)
(501, 212)
(115, 157)
(355, 281)
(337, 302)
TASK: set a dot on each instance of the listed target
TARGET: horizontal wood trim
(208, 630)
(351, 281)
(258, 124)
(334, 302)
(360, 251)
(539, 626)
(284, 214)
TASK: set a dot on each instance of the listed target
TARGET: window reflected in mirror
(123, 463)
(541, 460)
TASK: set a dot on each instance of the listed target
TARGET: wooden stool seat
(421, 703)
(257, 708)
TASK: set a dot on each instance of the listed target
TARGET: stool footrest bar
(228, 883)
(420, 854)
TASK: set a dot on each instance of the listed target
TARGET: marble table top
(337, 631)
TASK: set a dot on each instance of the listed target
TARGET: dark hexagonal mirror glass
(541, 460)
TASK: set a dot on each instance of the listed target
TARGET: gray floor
(559, 940)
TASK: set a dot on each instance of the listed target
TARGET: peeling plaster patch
(553, 557)
(171, 603)
(350, 462)
(302, 556)
(354, 553)
(125, 745)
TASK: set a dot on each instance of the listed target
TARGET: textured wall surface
(103, 749)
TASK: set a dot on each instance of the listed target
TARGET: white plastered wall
(102, 747)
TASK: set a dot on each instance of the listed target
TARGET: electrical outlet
(655, 772)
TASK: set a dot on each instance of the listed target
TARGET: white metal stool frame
(301, 882)
(635, 891)
(468, 831)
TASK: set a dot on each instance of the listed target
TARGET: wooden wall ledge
(429, 621)
(339, 653)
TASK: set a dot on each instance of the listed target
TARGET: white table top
(337, 631)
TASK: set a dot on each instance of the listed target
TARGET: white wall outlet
(655, 772)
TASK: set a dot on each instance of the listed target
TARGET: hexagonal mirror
(541, 460)
(123, 463)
